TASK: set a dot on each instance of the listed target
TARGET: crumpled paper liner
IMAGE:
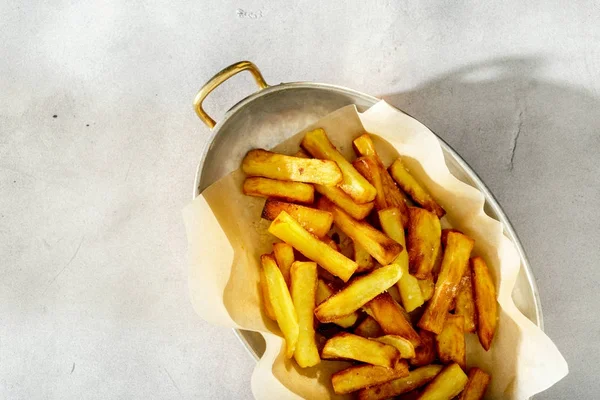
(226, 237)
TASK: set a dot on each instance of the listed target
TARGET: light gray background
(93, 295)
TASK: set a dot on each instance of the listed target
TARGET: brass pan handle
(219, 78)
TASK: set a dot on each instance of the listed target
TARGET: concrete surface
(98, 146)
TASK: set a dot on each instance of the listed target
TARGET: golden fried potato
(426, 353)
(376, 243)
(367, 167)
(363, 258)
(447, 384)
(259, 162)
(391, 318)
(338, 197)
(285, 190)
(318, 145)
(290, 231)
(485, 301)
(268, 307)
(427, 287)
(424, 233)
(476, 385)
(451, 346)
(361, 376)
(368, 328)
(408, 285)
(404, 346)
(352, 347)
(325, 291)
(284, 255)
(304, 287)
(357, 293)
(465, 303)
(417, 192)
(415, 379)
(454, 264)
(317, 222)
(283, 305)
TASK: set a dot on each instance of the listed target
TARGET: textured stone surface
(98, 146)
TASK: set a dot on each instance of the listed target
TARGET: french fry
(317, 222)
(364, 147)
(268, 307)
(259, 162)
(357, 293)
(427, 287)
(285, 190)
(456, 255)
(352, 347)
(283, 305)
(390, 317)
(404, 346)
(318, 145)
(408, 285)
(445, 233)
(415, 379)
(290, 231)
(368, 328)
(447, 384)
(485, 301)
(476, 385)
(304, 287)
(414, 189)
(451, 346)
(425, 354)
(465, 303)
(361, 376)
(424, 233)
(338, 197)
(324, 291)
(284, 255)
(367, 167)
(377, 244)
(363, 258)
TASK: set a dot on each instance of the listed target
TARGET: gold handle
(219, 78)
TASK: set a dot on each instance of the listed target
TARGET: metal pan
(274, 113)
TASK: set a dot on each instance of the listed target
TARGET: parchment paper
(226, 238)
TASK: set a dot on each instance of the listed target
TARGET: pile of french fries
(364, 272)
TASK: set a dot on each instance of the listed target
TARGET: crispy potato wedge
(317, 222)
(465, 303)
(404, 346)
(444, 236)
(414, 189)
(264, 288)
(325, 291)
(283, 306)
(363, 258)
(427, 287)
(357, 293)
(368, 328)
(259, 162)
(426, 353)
(447, 384)
(353, 347)
(285, 190)
(408, 285)
(451, 346)
(476, 385)
(390, 317)
(454, 264)
(284, 255)
(364, 147)
(318, 145)
(485, 301)
(361, 376)
(415, 379)
(367, 167)
(290, 231)
(424, 233)
(304, 287)
(338, 197)
(376, 243)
